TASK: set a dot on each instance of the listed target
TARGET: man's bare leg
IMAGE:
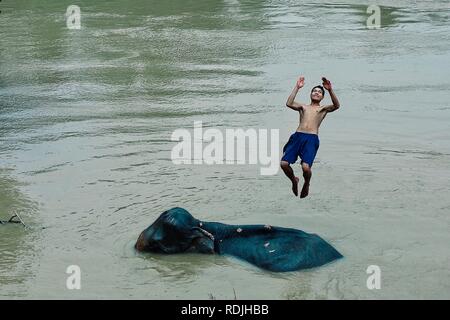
(307, 173)
(290, 174)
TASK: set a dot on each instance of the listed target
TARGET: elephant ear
(277, 249)
(202, 242)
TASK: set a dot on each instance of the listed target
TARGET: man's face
(316, 94)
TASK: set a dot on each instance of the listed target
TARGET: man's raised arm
(290, 101)
(334, 99)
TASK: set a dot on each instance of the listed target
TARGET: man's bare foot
(305, 190)
(295, 186)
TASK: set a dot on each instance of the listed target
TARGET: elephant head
(175, 231)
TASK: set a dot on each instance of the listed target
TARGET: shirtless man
(304, 143)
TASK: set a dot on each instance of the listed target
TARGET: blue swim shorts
(303, 145)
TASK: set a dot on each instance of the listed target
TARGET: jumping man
(304, 143)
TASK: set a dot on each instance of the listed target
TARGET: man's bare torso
(310, 118)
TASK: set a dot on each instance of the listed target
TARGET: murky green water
(86, 118)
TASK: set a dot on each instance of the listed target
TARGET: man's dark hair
(321, 88)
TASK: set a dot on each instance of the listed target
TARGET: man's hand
(326, 83)
(290, 101)
(300, 82)
(332, 107)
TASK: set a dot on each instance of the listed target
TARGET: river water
(86, 118)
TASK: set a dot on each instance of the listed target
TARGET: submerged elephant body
(271, 248)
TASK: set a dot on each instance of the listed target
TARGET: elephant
(271, 248)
